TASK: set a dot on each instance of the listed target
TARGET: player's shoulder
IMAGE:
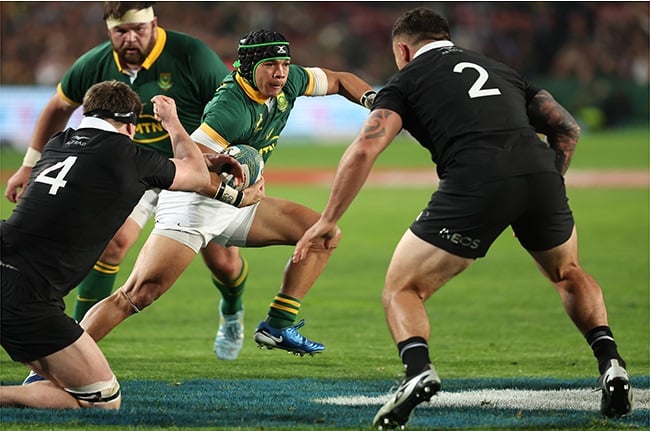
(177, 38)
(94, 56)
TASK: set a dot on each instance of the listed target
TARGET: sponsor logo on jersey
(149, 130)
(165, 81)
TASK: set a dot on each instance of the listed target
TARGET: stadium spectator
(151, 60)
(251, 107)
(494, 172)
(50, 241)
(327, 32)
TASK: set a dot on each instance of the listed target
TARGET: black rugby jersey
(80, 192)
(469, 111)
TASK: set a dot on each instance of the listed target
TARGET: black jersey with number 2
(80, 192)
(469, 111)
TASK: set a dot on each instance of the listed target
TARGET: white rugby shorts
(195, 220)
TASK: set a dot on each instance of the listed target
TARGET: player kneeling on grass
(83, 187)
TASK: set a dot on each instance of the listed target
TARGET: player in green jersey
(251, 107)
(151, 60)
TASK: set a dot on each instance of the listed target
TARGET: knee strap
(97, 393)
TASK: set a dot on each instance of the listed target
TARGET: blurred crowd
(581, 41)
(564, 39)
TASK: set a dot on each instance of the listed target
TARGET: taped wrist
(31, 157)
(368, 99)
(229, 195)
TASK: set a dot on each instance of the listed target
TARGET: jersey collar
(157, 49)
(433, 45)
(252, 93)
(96, 123)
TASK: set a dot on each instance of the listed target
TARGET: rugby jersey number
(61, 169)
(477, 90)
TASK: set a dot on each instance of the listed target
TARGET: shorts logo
(456, 238)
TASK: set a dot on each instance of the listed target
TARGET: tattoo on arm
(374, 126)
(562, 130)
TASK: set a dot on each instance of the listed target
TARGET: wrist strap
(31, 157)
(229, 195)
(368, 99)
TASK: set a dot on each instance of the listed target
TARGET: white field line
(563, 399)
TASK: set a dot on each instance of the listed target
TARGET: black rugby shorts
(32, 326)
(465, 221)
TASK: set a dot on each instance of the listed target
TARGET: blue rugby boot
(398, 409)
(617, 397)
(33, 377)
(288, 339)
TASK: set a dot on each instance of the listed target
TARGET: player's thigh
(280, 222)
(421, 266)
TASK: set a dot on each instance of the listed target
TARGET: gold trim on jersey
(59, 90)
(157, 49)
(311, 85)
(214, 135)
(252, 93)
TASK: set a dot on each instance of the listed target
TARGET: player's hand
(253, 193)
(17, 184)
(320, 229)
(220, 163)
(164, 110)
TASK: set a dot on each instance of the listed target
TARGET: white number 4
(58, 181)
(477, 89)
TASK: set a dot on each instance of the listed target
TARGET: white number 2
(58, 181)
(477, 89)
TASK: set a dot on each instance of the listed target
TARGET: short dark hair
(421, 24)
(112, 97)
(117, 9)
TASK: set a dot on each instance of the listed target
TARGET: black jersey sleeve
(530, 90)
(155, 169)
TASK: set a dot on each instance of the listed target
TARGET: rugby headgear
(258, 46)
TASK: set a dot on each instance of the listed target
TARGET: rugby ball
(252, 164)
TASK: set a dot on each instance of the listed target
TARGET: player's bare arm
(347, 85)
(561, 129)
(377, 132)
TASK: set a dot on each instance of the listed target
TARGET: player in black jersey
(479, 120)
(86, 183)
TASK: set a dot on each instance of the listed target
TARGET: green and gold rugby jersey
(179, 66)
(240, 114)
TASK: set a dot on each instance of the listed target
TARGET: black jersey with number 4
(80, 192)
(469, 111)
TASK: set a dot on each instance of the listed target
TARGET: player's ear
(404, 52)
(130, 129)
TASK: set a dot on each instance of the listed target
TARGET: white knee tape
(96, 393)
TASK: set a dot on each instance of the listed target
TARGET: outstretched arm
(349, 86)
(377, 132)
(562, 130)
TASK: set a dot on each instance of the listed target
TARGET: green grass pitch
(499, 320)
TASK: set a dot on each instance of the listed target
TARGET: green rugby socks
(232, 293)
(97, 285)
(283, 311)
